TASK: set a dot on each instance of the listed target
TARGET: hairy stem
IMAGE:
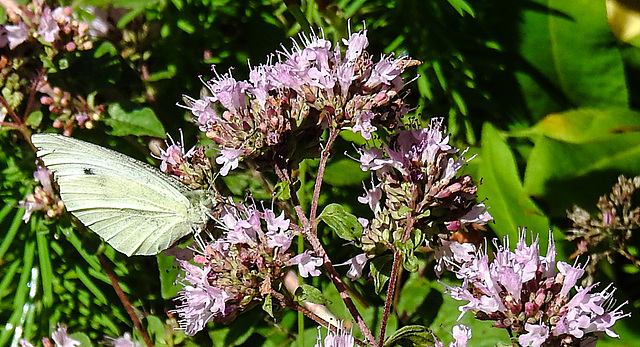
(286, 302)
(125, 302)
(393, 279)
(10, 111)
(268, 186)
(397, 258)
(32, 94)
(324, 157)
(340, 286)
(311, 235)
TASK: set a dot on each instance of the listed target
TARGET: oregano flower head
(236, 269)
(298, 93)
(532, 296)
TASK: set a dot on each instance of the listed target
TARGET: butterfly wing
(135, 207)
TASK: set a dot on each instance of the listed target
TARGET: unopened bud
(46, 100)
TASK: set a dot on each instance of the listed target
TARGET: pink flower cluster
(44, 197)
(417, 172)
(338, 338)
(309, 88)
(237, 269)
(191, 167)
(523, 292)
(56, 27)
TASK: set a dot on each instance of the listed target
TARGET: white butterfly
(133, 206)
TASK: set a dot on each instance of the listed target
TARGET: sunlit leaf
(345, 225)
(139, 122)
(587, 124)
(568, 45)
(502, 187)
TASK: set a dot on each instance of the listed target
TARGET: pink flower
(62, 339)
(462, 334)
(357, 264)
(371, 197)
(16, 34)
(48, 27)
(275, 224)
(339, 338)
(356, 44)
(536, 335)
(123, 341)
(199, 305)
(280, 239)
(307, 264)
(229, 92)
(371, 159)
(229, 159)
(363, 125)
(174, 155)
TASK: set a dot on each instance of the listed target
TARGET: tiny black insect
(88, 171)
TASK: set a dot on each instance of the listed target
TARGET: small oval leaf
(342, 222)
(307, 293)
(380, 268)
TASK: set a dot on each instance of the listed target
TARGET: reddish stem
(333, 135)
(125, 302)
(393, 279)
(32, 94)
(284, 301)
(340, 286)
(397, 257)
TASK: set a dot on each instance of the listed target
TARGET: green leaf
(267, 306)
(34, 119)
(462, 6)
(409, 259)
(44, 259)
(344, 172)
(16, 320)
(503, 189)
(282, 191)
(586, 124)
(105, 48)
(7, 279)
(129, 16)
(307, 293)
(345, 225)
(81, 337)
(234, 335)
(413, 294)
(380, 268)
(555, 161)
(170, 72)
(185, 26)
(411, 335)
(137, 122)
(91, 286)
(242, 182)
(63, 64)
(168, 274)
(572, 56)
(12, 231)
(156, 330)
